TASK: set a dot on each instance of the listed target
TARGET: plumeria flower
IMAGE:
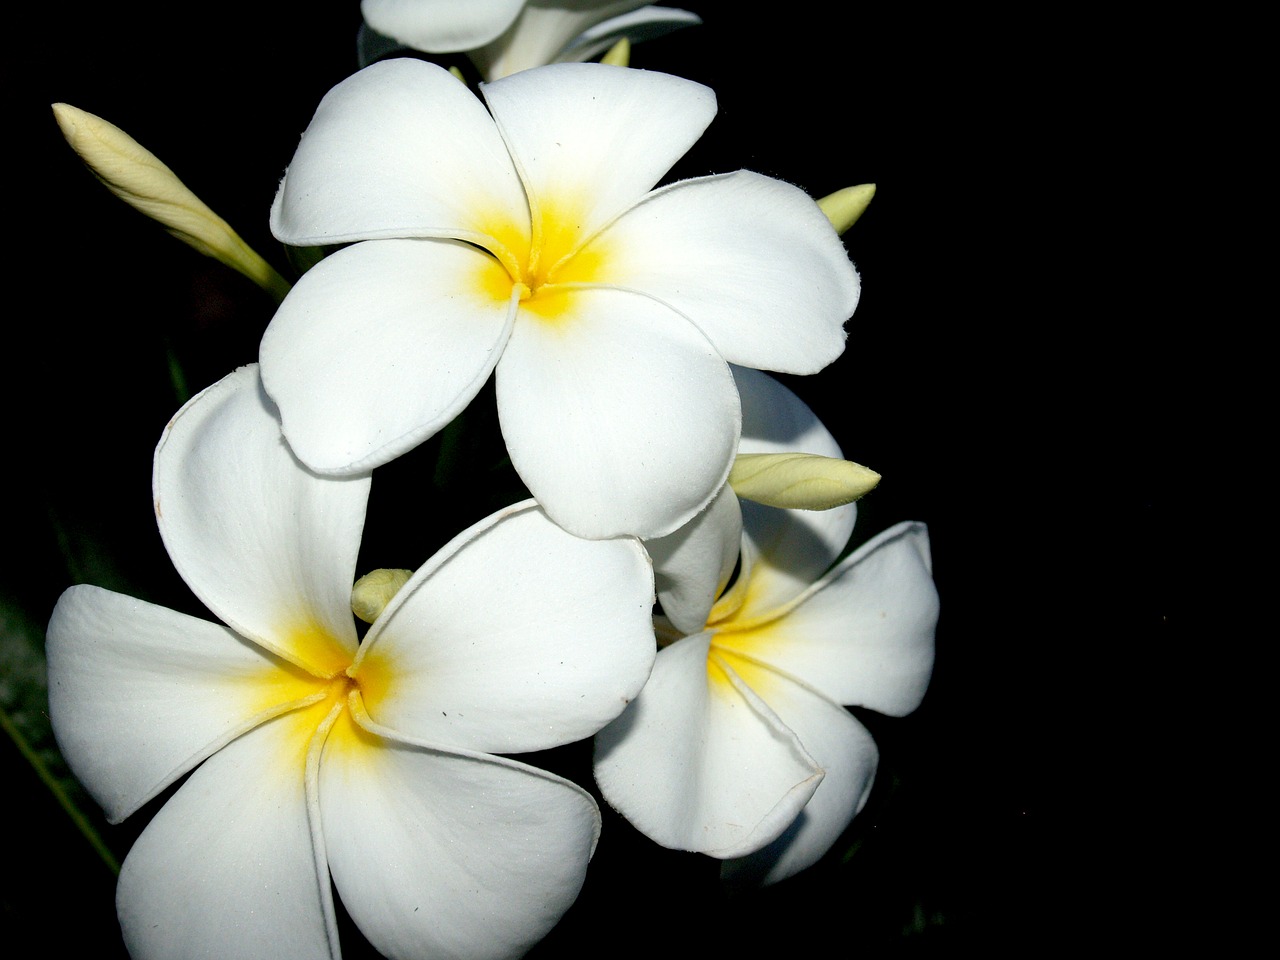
(527, 241)
(505, 36)
(314, 756)
(740, 745)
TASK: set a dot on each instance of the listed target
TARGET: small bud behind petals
(137, 177)
(800, 481)
(844, 207)
(619, 55)
(373, 591)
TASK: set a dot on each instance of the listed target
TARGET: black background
(1026, 428)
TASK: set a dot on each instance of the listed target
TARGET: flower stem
(42, 771)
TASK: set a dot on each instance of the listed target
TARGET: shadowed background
(960, 384)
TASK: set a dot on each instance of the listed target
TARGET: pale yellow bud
(800, 481)
(844, 207)
(373, 591)
(137, 177)
(619, 55)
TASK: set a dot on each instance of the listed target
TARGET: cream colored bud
(844, 207)
(619, 55)
(137, 177)
(373, 591)
(800, 481)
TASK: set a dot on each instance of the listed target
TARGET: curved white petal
(692, 565)
(516, 636)
(775, 420)
(139, 694)
(792, 547)
(638, 25)
(400, 149)
(751, 260)
(619, 416)
(229, 867)
(380, 345)
(590, 140)
(451, 856)
(266, 545)
(847, 754)
(864, 633)
(699, 762)
(440, 26)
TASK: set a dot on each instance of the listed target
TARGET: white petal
(399, 149)
(228, 867)
(793, 547)
(451, 856)
(590, 140)
(863, 634)
(618, 415)
(643, 24)
(699, 762)
(775, 420)
(379, 346)
(692, 565)
(440, 26)
(266, 545)
(541, 32)
(139, 694)
(752, 260)
(517, 636)
(847, 754)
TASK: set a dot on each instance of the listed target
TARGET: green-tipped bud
(800, 481)
(137, 177)
(373, 591)
(619, 55)
(844, 207)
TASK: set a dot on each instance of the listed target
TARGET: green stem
(42, 771)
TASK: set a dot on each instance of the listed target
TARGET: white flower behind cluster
(503, 37)
(739, 746)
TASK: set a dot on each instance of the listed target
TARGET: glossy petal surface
(617, 413)
(698, 762)
(379, 346)
(564, 643)
(451, 855)
(228, 867)
(268, 546)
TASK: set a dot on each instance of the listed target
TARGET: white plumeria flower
(505, 36)
(313, 755)
(530, 242)
(739, 746)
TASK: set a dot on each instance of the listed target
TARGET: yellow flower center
(542, 271)
(741, 638)
(325, 691)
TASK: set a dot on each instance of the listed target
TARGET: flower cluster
(675, 592)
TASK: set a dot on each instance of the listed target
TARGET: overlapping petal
(778, 302)
(486, 853)
(267, 546)
(480, 675)
(379, 346)
(596, 156)
(441, 26)
(618, 414)
(693, 565)
(864, 633)
(139, 694)
(699, 762)
(848, 756)
(399, 149)
(229, 866)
